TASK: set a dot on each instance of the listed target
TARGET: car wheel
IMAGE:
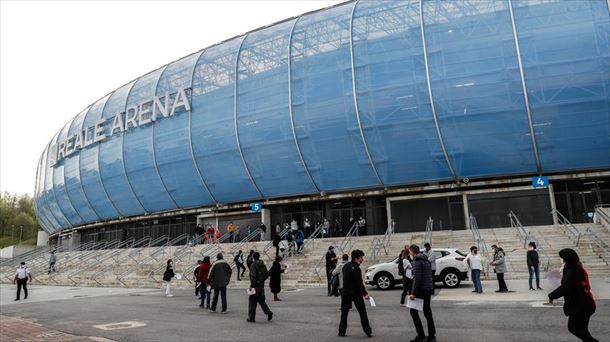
(451, 279)
(384, 281)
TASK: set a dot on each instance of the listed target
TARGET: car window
(439, 254)
(460, 253)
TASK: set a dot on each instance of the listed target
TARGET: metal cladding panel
(263, 117)
(565, 46)
(49, 191)
(391, 91)
(476, 87)
(112, 170)
(173, 141)
(49, 224)
(323, 104)
(73, 184)
(93, 188)
(213, 129)
(59, 185)
(139, 154)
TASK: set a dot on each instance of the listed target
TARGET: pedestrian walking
(263, 229)
(422, 289)
(354, 292)
(331, 263)
(499, 265)
(307, 226)
(276, 243)
(275, 277)
(300, 239)
(167, 277)
(239, 264)
(219, 278)
(361, 226)
(325, 228)
(473, 259)
(404, 262)
(21, 279)
(432, 258)
(202, 277)
(258, 275)
(52, 261)
(533, 265)
(196, 277)
(336, 228)
(338, 276)
(579, 304)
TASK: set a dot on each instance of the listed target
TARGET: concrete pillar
(266, 219)
(388, 210)
(43, 238)
(466, 210)
(553, 205)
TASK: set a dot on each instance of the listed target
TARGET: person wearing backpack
(579, 304)
(239, 264)
(258, 275)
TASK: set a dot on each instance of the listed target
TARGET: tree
(17, 213)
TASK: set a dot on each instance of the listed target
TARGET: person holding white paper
(422, 289)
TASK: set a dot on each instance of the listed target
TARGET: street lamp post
(20, 234)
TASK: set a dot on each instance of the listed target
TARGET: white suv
(450, 269)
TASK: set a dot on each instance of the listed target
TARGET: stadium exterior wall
(361, 96)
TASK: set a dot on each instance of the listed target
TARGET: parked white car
(450, 270)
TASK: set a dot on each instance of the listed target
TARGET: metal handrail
(569, 228)
(429, 227)
(17, 259)
(151, 257)
(479, 241)
(312, 238)
(599, 210)
(245, 240)
(100, 257)
(135, 249)
(316, 268)
(347, 240)
(528, 237)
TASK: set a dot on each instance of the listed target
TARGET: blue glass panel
(49, 193)
(48, 223)
(213, 129)
(263, 117)
(477, 87)
(392, 93)
(112, 170)
(139, 153)
(59, 183)
(72, 176)
(566, 58)
(323, 103)
(89, 167)
(173, 143)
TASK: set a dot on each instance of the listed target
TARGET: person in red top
(202, 278)
(210, 234)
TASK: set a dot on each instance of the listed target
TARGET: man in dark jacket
(533, 265)
(422, 289)
(579, 304)
(331, 262)
(258, 275)
(219, 278)
(354, 291)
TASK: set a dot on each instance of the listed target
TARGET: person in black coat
(331, 263)
(354, 291)
(533, 265)
(579, 304)
(422, 289)
(275, 277)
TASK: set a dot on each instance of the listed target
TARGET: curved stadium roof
(365, 94)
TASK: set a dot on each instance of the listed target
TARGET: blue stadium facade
(361, 96)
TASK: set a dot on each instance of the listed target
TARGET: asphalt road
(304, 315)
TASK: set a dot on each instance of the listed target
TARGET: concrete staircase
(100, 268)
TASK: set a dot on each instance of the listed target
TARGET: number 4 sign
(540, 182)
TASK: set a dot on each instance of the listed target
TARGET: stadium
(394, 111)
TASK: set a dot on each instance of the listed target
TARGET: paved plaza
(102, 314)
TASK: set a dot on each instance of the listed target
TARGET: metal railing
(317, 268)
(135, 250)
(346, 244)
(372, 255)
(527, 237)
(429, 227)
(152, 257)
(571, 231)
(601, 213)
(244, 241)
(27, 256)
(311, 240)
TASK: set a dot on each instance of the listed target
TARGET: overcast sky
(56, 58)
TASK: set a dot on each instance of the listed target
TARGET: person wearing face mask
(533, 265)
(499, 265)
(167, 277)
(473, 259)
(21, 278)
(579, 304)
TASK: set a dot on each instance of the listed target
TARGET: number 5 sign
(540, 182)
